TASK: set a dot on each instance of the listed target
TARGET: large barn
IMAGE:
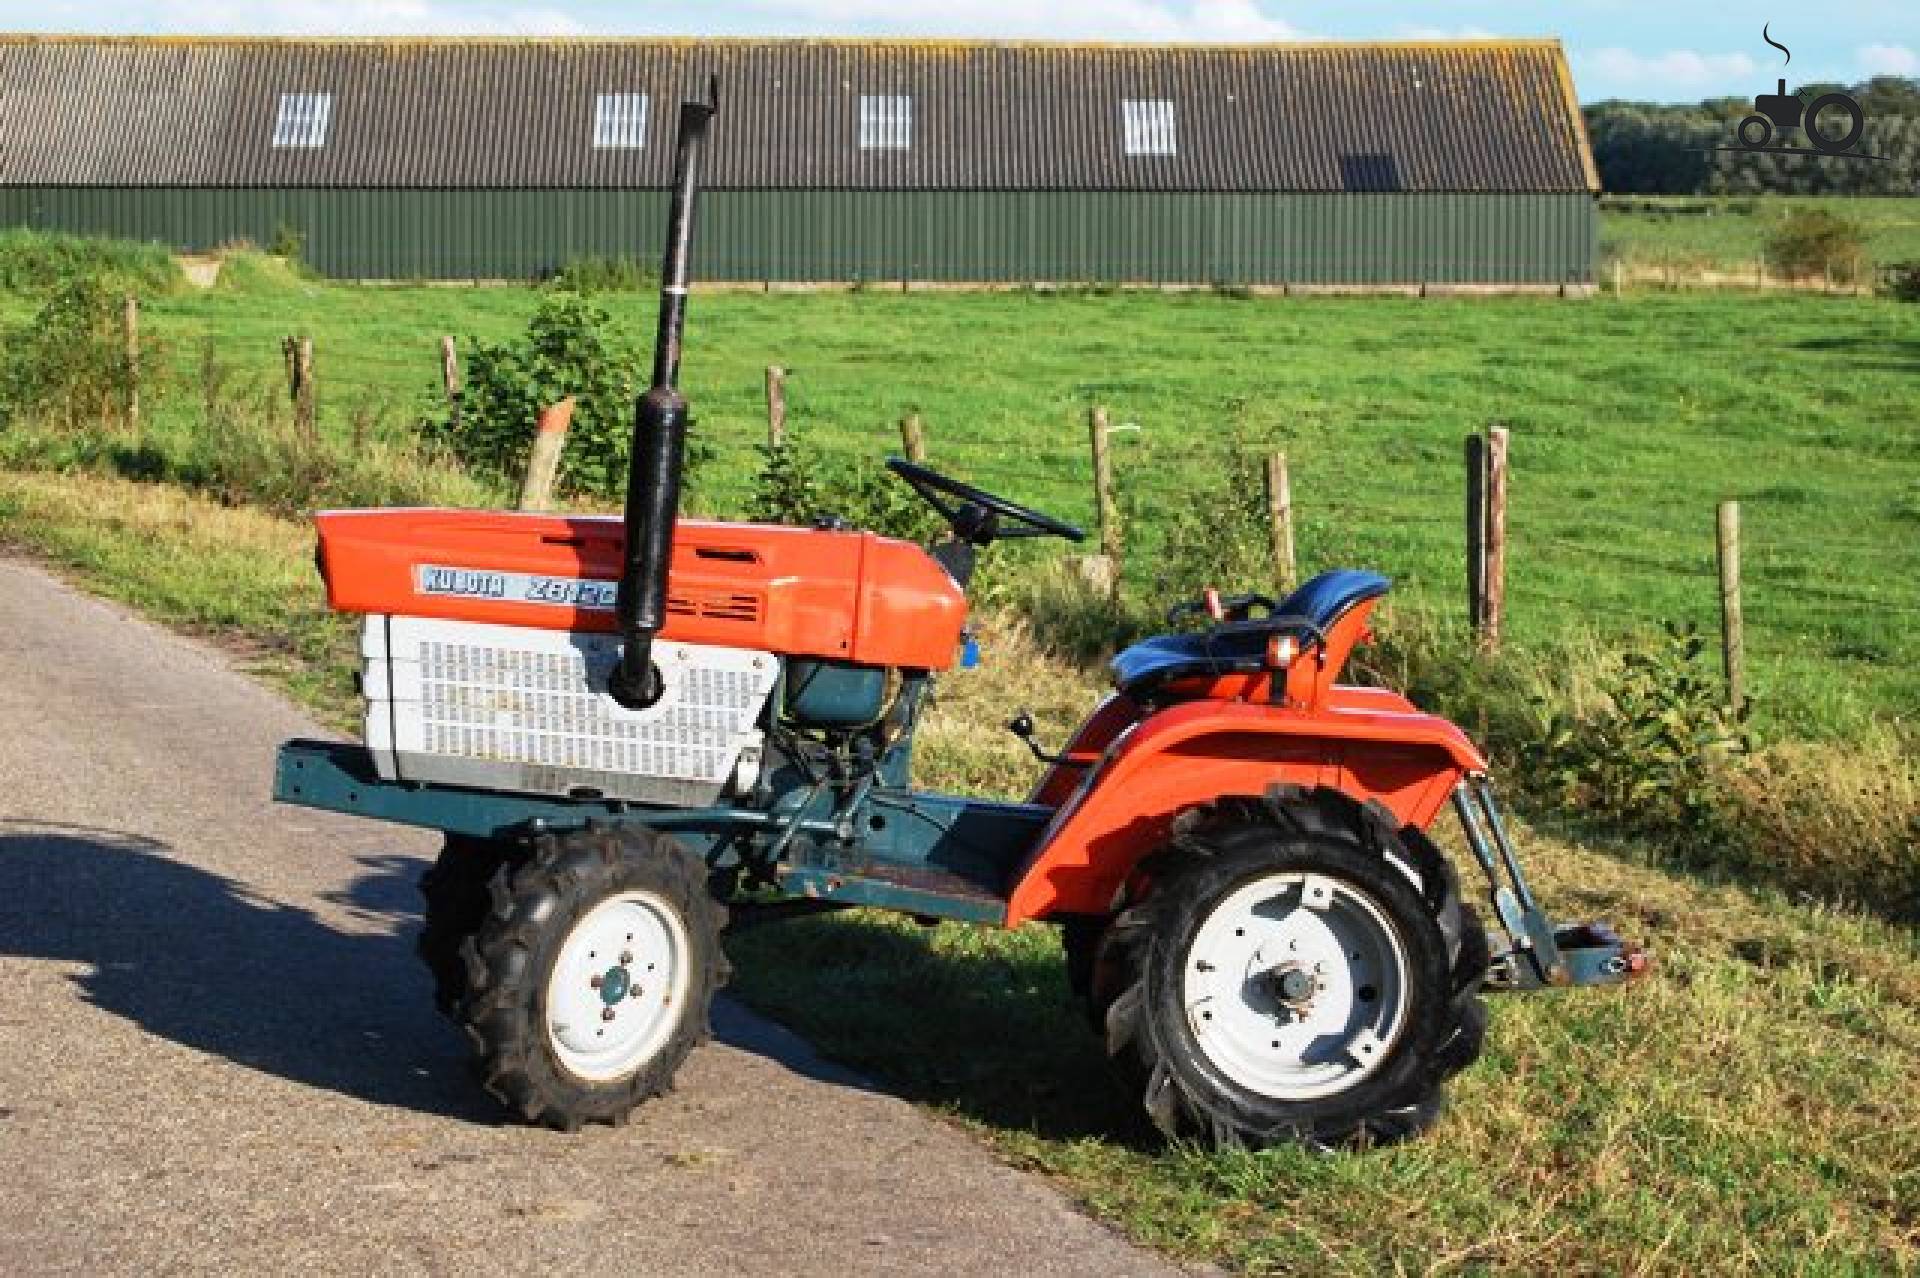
(834, 160)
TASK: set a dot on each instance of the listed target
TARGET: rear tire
(592, 975)
(1343, 1034)
(1846, 106)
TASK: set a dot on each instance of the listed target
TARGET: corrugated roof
(1465, 116)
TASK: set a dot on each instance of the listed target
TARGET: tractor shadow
(204, 961)
(991, 1036)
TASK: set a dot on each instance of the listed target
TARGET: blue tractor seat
(1308, 613)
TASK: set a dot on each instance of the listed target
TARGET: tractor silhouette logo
(1784, 111)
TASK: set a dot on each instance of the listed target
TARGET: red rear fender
(1370, 745)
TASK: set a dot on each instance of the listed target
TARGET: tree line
(1651, 149)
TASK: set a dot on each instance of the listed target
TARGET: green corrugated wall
(1017, 236)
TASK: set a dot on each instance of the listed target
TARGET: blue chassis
(908, 850)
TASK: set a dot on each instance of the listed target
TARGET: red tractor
(623, 724)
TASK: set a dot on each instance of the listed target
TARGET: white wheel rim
(618, 986)
(1296, 986)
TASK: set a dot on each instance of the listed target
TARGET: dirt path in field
(218, 1053)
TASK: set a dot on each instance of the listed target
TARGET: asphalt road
(218, 1053)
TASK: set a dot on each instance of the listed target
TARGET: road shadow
(204, 961)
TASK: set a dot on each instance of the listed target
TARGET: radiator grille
(527, 709)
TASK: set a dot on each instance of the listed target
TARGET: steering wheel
(936, 489)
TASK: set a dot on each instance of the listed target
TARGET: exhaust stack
(659, 436)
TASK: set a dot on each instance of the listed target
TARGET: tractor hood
(839, 595)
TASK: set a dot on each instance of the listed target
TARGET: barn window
(620, 122)
(886, 123)
(1147, 126)
(302, 121)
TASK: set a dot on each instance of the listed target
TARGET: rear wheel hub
(1297, 986)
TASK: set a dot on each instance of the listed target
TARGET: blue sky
(1619, 48)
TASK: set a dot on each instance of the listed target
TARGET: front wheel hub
(613, 984)
(613, 993)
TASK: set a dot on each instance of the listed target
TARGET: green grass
(1747, 1109)
(1630, 419)
(1730, 234)
(33, 261)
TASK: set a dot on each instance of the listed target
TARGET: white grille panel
(510, 708)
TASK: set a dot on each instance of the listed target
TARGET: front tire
(592, 975)
(455, 893)
(1299, 972)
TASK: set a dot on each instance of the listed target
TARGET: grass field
(1630, 418)
(1730, 234)
(1748, 1109)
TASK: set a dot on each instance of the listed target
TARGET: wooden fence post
(299, 354)
(1496, 582)
(1732, 627)
(1476, 449)
(776, 405)
(1619, 278)
(1104, 503)
(913, 438)
(543, 459)
(130, 330)
(1280, 520)
(450, 378)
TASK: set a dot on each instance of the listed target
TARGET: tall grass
(35, 261)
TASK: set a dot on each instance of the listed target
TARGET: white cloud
(1413, 31)
(361, 17)
(1237, 21)
(1197, 20)
(1888, 59)
(1676, 70)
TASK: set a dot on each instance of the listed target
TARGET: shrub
(1809, 241)
(796, 486)
(598, 274)
(569, 349)
(288, 242)
(787, 488)
(1219, 537)
(69, 362)
(1650, 752)
(1903, 281)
